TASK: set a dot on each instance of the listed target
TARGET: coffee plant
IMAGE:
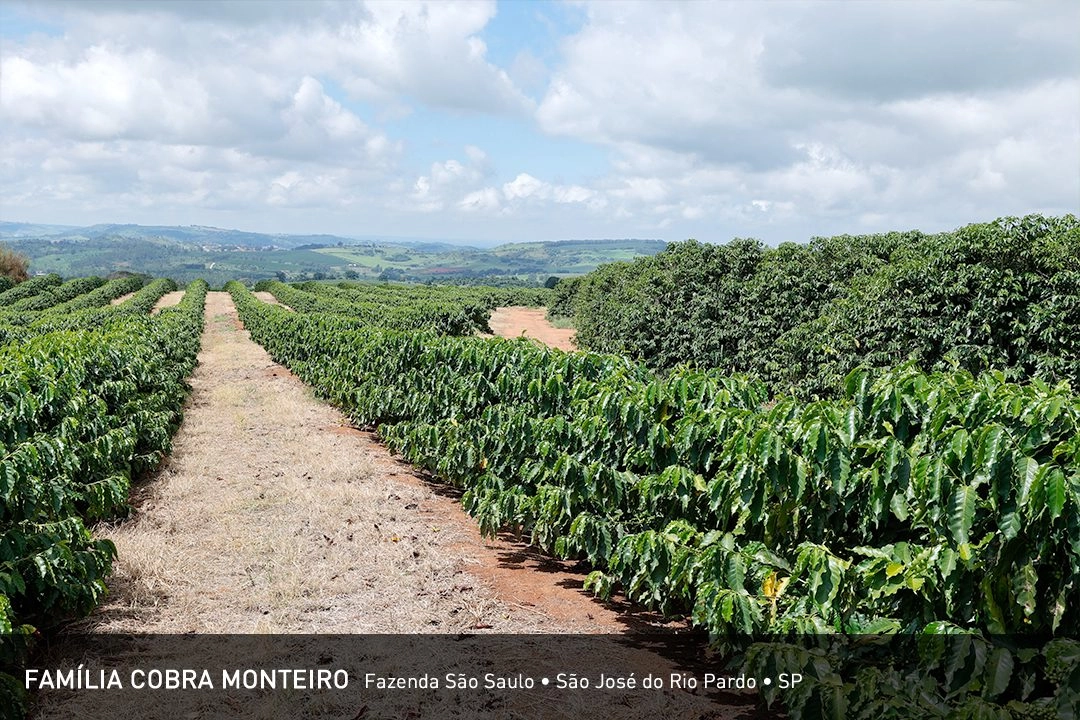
(92, 396)
(999, 296)
(911, 505)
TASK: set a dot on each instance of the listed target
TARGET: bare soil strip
(167, 300)
(122, 298)
(512, 322)
(269, 299)
(272, 515)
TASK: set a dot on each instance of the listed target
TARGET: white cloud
(830, 112)
(430, 52)
(105, 94)
(318, 127)
(717, 119)
(566, 194)
(230, 106)
(525, 186)
(642, 189)
(485, 200)
(449, 181)
(526, 189)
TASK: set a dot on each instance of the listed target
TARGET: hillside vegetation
(13, 268)
(943, 508)
(865, 451)
(1003, 295)
(92, 396)
(216, 255)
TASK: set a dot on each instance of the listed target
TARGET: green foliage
(564, 296)
(55, 295)
(29, 288)
(996, 296)
(450, 310)
(87, 408)
(908, 502)
(101, 296)
(51, 302)
(144, 300)
(721, 306)
(1002, 295)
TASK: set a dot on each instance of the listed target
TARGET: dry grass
(266, 521)
(14, 264)
(273, 517)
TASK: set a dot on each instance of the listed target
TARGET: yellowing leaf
(768, 588)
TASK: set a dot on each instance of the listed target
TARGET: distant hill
(187, 235)
(16, 229)
(188, 252)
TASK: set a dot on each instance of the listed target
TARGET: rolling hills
(217, 255)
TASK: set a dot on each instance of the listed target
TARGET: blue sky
(510, 121)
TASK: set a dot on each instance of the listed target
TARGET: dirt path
(516, 321)
(122, 298)
(269, 299)
(167, 300)
(272, 516)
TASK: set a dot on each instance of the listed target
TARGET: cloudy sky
(505, 121)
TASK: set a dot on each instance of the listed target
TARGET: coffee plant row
(911, 505)
(996, 296)
(29, 288)
(449, 310)
(399, 295)
(92, 396)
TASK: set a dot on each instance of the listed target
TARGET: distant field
(219, 257)
(522, 260)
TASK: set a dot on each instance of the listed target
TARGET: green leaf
(962, 513)
(991, 446)
(1029, 470)
(1010, 525)
(1055, 493)
(999, 669)
(947, 562)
